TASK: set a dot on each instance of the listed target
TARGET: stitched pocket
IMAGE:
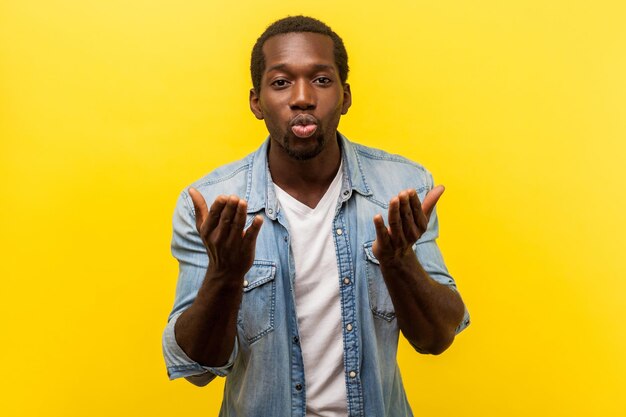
(256, 314)
(380, 300)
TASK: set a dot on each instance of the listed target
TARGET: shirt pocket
(256, 314)
(380, 300)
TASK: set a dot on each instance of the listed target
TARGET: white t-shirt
(318, 306)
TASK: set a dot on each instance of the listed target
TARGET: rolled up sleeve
(180, 365)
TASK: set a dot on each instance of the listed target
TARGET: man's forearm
(428, 313)
(206, 331)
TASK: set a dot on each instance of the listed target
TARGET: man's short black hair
(296, 24)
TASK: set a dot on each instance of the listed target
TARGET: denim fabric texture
(265, 373)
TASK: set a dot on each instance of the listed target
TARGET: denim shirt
(265, 372)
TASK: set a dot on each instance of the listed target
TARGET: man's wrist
(406, 261)
(220, 284)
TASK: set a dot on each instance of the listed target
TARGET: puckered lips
(303, 125)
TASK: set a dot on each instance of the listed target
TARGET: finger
(214, 214)
(431, 199)
(239, 220)
(199, 207)
(406, 214)
(226, 218)
(251, 233)
(382, 234)
(418, 215)
(395, 222)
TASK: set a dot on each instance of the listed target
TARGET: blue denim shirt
(265, 373)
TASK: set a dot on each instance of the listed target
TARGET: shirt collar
(260, 193)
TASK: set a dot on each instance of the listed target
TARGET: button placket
(348, 311)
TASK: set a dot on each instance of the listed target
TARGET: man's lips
(303, 131)
(303, 125)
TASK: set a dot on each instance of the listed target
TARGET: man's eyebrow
(317, 67)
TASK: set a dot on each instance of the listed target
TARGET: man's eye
(280, 83)
(323, 80)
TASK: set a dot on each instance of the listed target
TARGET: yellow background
(109, 108)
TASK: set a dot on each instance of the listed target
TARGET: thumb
(199, 206)
(431, 200)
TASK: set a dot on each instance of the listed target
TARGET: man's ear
(254, 104)
(347, 98)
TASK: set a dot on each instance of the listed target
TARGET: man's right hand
(206, 331)
(230, 248)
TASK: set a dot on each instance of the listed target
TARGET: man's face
(301, 98)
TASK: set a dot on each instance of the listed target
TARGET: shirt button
(352, 374)
(286, 238)
(349, 327)
(346, 281)
(339, 231)
(245, 283)
(270, 211)
(298, 387)
(295, 339)
(346, 192)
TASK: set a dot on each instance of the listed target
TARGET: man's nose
(302, 96)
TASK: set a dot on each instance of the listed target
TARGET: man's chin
(303, 149)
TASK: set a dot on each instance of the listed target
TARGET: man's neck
(308, 180)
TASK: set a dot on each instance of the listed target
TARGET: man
(291, 285)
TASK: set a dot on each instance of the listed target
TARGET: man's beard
(305, 154)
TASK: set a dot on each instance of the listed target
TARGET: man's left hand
(408, 220)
